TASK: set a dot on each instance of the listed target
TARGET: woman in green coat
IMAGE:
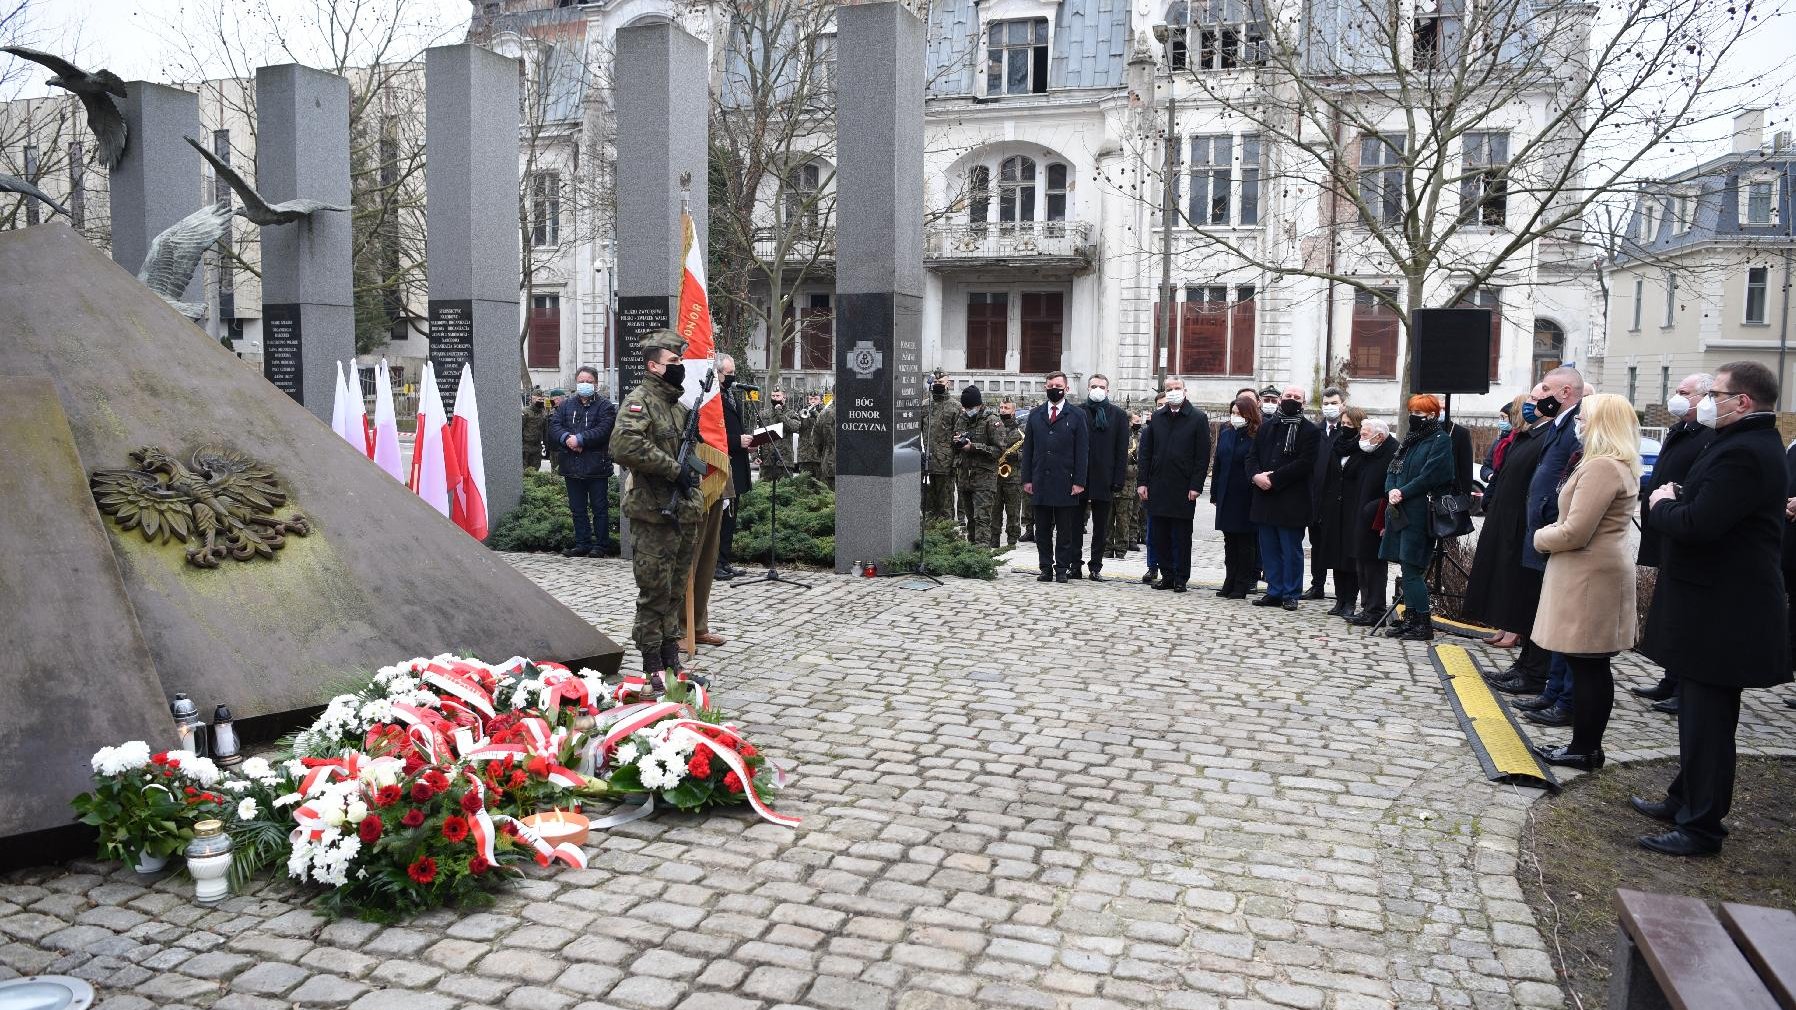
(1423, 466)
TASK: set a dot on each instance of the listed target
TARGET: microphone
(745, 387)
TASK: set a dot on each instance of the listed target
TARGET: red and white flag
(386, 424)
(343, 414)
(693, 324)
(464, 468)
(429, 480)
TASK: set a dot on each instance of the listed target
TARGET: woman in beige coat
(1586, 607)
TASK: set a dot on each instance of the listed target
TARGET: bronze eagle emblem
(221, 503)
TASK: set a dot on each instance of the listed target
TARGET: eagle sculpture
(256, 209)
(221, 504)
(168, 266)
(14, 184)
(96, 90)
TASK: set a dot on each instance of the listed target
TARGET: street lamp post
(1163, 328)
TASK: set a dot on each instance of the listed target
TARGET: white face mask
(1578, 428)
(1237, 421)
(1331, 410)
(1678, 405)
(1174, 397)
(1097, 394)
(1367, 445)
(1708, 410)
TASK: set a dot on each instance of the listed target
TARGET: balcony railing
(819, 249)
(1035, 244)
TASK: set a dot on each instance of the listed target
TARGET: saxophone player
(1010, 476)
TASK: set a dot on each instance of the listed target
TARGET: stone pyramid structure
(99, 627)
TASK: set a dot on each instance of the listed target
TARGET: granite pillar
(471, 172)
(308, 300)
(879, 282)
(663, 105)
(159, 181)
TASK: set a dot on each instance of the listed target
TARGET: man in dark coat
(1556, 397)
(1789, 564)
(1684, 441)
(1172, 460)
(580, 429)
(1056, 458)
(1362, 492)
(1719, 608)
(1325, 484)
(1502, 592)
(739, 438)
(1106, 464)
(1283, 463)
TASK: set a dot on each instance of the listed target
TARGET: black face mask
(1547, 406)
(1055, 395)
(1135, 426)
(1290, 408)
(675, 375)
(938, 391)
(1419, 419)
(728, 381)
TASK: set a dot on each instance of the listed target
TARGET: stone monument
(663, 104)
(308, 300)
(471, 171)
(100, 625)
(879, 282)
(158, 182)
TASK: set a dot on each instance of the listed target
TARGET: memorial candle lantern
(227, 752)
(557, 826)
(190, 729)
(209, 861)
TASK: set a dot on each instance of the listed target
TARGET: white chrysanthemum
(296, 769)
(287, 800)
(256, 768)
(627, 754)
(650, 772)
(235, 785)
(246, 810)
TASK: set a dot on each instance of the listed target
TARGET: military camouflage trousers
(938, 496)
(979, 502)
(1010, 509)
(661, 557)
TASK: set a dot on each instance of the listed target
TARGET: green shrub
(542, 521)
(946, 552)
(807, 524)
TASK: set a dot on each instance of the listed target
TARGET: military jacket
(988, 438)
(536, 424)
(939, 429)
(823, 436)
(806, 426)
(651, 423)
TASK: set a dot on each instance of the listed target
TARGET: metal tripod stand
(772, 574)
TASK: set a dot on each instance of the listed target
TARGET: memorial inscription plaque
(283, 361)
(451, 344)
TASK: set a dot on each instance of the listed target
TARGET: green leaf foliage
(542, 521)
(946, 552)
(807, 524)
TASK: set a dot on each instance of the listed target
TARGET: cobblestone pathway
(1081, 797)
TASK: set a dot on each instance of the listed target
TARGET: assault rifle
(685, 458)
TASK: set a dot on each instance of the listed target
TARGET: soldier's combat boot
(652, 667)
(676, 666)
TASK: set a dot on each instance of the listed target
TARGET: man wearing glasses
(1719, 608)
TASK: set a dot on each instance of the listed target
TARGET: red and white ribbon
(684, 731)
(464, 687)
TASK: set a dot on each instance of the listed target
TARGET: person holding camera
(979, 439)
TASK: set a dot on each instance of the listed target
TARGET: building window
(1671, 298)
(544, 347)
(1016, 189)
(1633, 382)
(988, 329)
(1649, 219)
(77, 184)
(1381, 177)
(1487, 298)
(1639, 300)
(1484, 188)
(545, 209)
(1220, 36)
(1373, 353)
(1056, 192)
(979, 194)
(802, 183)
(1209, 173)
(1761, 209)
(1433, 44)
(1757, 281)
(1549, 347)
(818, 334)
(1250, 178)
(1216, 335)
(1017, 57)
(1664, 383)
(1682, 207)
(32, 213)
(1043, 322)
(823, 64)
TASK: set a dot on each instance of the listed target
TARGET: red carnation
(159, 758)
(748, 750)
(369, 830)
(732, 783)
(421, 791)
(413, 762)
(700, 765)
(455, 828)
(412, 818)
(478, 865)
(423, 871)
(508, 828)
(470, 801)
(191, 791)
(438, 781)
(518, 778)
(386, 796)
(538, 765)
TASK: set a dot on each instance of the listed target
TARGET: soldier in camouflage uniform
(938, 430)
(823, 434)
(1010, 489)
(788, 420)
(536, 427)
(806, 422)
(979, 438)
(1125, 520)
(651, 424)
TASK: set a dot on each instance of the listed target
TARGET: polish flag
(693, 324)
(386, 424)
(343, 415)
(462, 461)
(428, 477)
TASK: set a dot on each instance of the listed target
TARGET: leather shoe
(576, 552)
(1558, 715)
(1669, 706)
(1314, 593)
(707, 638)
(1072, 573)
(1268, 600)
(1179, 586)
(1045, 577)
(1290, 604)
(1152, 574)
(1658, 692)
(1164, 584)
(1533, 704)
(1340, 609)
(1564, 758)
(1663, 810)
(1518, 686)
(1060, 578)
(1677, 843)
(1364, 619)
(1096, 576)
(722, 575)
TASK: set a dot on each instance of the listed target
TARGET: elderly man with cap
(662, 500)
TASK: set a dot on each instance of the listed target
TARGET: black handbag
(1449, 515)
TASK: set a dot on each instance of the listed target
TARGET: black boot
(676, 665)
(653, 670)
(1152, 574)
(1399, 625)
(1420, 630)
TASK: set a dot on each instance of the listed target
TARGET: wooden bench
(1676, 954)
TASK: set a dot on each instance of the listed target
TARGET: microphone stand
(772, 574)
(920, 569)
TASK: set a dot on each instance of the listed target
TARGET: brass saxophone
(1004, 470)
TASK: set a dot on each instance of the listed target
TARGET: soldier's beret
(663, 340)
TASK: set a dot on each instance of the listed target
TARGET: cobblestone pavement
(1081, 797)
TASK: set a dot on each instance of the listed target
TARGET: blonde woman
(1587, 599)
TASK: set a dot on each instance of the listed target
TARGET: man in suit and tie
(1557, 396)
(1328, 468)
(1056, 453)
